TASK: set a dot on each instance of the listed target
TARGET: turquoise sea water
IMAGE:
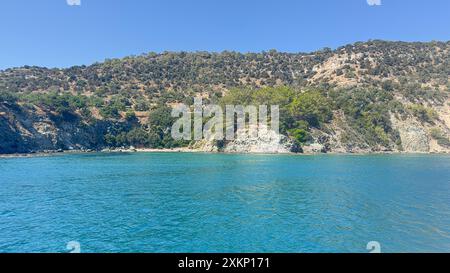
(181, 202)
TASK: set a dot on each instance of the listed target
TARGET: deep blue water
(181, 202)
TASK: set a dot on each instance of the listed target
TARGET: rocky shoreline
(189, 150)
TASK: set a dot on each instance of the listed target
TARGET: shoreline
(188, 150)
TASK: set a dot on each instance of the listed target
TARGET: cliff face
(25, 130)
(414, 135)
(264, 141)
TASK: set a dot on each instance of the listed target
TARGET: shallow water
(181, 202)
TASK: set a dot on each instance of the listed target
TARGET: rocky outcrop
(27, 130)
(314, 148)
(270, 142)
(263, 141)
(413, 134)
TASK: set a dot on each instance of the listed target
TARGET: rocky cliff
(29, 130)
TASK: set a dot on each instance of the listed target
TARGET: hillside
(364, 97)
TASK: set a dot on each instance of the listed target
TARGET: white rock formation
(263, 141)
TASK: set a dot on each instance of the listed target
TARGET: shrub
(109, 111)
(312, 107)
(141, 105)
(8, 97)
(423, 113)
(130, 115)
(442, 140)
(137, 137)
(300, 133)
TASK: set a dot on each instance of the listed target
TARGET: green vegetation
(368, 113)
(299, 110)
(282, 96)
(169, 76)
(155, 134)
(130, 115)
(8, 97)
(64, 105)
(137, 137)
(423, 113)
(442, 140)
(312, 107)
(300, 133)
(113, 107)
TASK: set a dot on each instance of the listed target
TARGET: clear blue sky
(51, 33)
